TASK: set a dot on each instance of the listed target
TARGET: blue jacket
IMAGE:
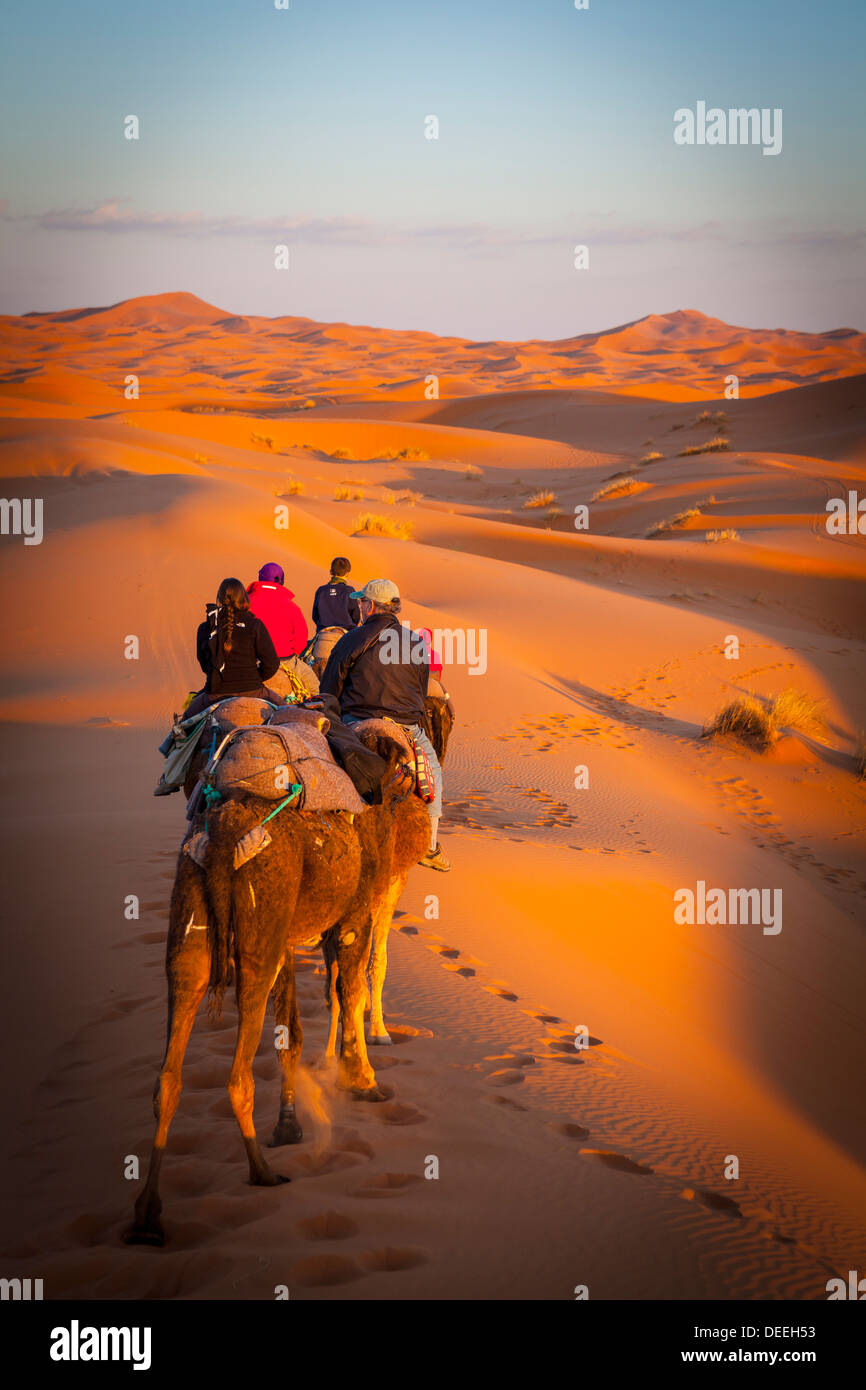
(333, 606)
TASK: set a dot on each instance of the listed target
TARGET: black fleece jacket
(368, 687)
(250, 663)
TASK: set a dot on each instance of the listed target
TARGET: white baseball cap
(378, 591)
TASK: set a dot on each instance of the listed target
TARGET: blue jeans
(434, 807)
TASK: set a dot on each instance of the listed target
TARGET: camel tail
(225, 828)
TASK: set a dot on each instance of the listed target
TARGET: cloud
(116, 216)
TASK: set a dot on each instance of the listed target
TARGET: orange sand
(605, 649)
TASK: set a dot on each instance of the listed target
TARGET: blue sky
(306, 126)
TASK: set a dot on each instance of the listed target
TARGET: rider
(235, 651)
(370, 682)
(334, 604)
(335, 611)
(271, 601)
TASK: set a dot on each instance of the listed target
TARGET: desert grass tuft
(369, 525)
(672, 523)
(543, 498)
(712, 446)
(792, 709)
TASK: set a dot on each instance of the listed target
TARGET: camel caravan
(310, 795)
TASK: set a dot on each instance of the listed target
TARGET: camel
(440, 721)
(326, 876)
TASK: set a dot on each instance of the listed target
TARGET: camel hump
(240, 711)
(371, 731)
(266, 762)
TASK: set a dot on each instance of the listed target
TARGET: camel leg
(378, 961)
(288, 1129)
(188, 969)
(354, 1071)
(254, 986)
(330, 958)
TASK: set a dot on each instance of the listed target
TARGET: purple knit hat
(271, 573)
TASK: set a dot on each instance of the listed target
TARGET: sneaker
(435, 859)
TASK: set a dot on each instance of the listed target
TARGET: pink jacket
(283, 618)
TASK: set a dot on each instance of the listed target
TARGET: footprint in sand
(320, 1271)
(568, 1129)
(403, 1033)
(399, 1113)
(502, 992)
(617, 1161)
(716, 1201)
(509, 1077)
(387, 1184)
(320, 1164)
(349, 1141)
(517, 1059)
(506, 1100)
(392, 1258)
(328, 1225)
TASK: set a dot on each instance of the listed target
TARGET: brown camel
(440, 721)
(324, 875)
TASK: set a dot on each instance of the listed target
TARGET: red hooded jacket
(272, 603)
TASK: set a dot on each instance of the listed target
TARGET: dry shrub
(729, 534)
(793, 710)
(712, 446)
(654, 457)
(616, 487)
(716, 419)
(345, 494)
(672, 522)
(759, 724)
(340, 454)
(747, 719)
(369, 525)
(543, 498)
(410, 454)
(266, 439)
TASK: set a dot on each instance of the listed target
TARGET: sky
(305, 127)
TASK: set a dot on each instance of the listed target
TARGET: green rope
(297, 788)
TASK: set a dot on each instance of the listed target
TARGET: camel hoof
(286, 1132)
(379, 1040)
(268, 1179)
(144, 1235)
(370, 1093)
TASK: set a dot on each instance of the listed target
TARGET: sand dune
(605, 650)
(179, 342)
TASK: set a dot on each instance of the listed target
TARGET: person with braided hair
(235, 651)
